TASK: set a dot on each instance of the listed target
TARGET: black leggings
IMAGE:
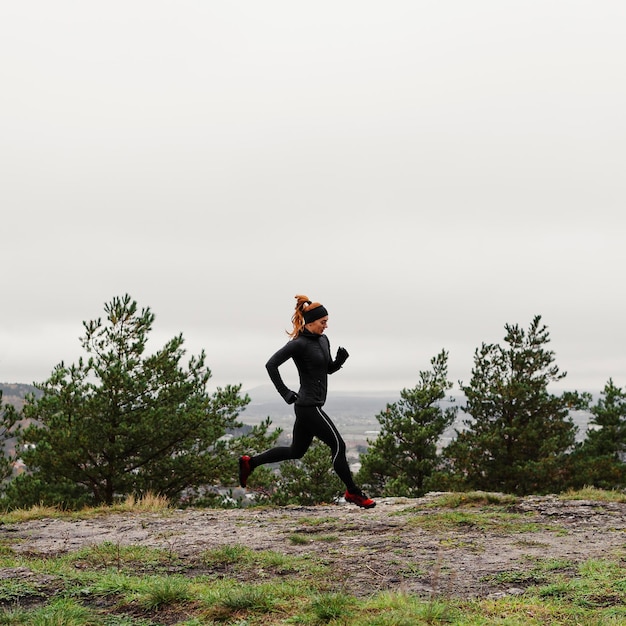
(311, 421)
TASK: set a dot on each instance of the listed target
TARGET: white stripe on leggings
(332, 429)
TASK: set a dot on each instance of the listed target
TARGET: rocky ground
(390, 547)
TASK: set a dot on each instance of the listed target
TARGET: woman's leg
(311, 421)
(300, 442)
(323, 428)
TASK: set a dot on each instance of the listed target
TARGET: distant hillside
(14, 393)
(353, 410)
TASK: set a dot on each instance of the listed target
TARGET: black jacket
(311, 354)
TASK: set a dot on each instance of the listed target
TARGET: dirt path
(391, 547)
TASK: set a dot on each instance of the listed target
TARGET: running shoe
(244, 469)
(360, 499)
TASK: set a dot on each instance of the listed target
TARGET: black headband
(310, 315)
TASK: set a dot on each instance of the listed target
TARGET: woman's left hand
(342, 355)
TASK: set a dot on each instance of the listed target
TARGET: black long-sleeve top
(311, 354)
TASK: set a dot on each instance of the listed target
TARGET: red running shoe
(244, 469)
(360, 499)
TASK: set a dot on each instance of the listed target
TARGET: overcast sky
(428, 170)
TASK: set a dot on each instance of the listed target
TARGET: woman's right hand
(291, 397)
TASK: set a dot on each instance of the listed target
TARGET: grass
(593, 592)
(592, 493)
(114, 555)
(148, 503)
(12, 590)
(159, 591)
(233, 585)
(541, 572)
(471, 499)
(487, 512)
(483, 520)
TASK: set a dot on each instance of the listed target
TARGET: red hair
(303, 304)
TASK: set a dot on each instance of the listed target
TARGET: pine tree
(404, 455)
(9, 430)
(601, 459)
(518, 434)
(123, 421)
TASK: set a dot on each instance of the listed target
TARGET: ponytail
(306, 312)
(297, 319)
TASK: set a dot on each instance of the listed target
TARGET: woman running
(310, 350)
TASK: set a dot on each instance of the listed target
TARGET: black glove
(342, 356)
(291, 397)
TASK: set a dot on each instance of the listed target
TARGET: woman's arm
(340, 359)
(275, 361)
